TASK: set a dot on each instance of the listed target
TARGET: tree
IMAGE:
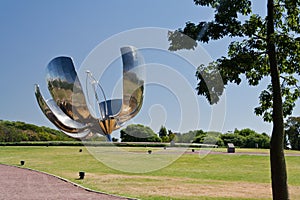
(236, 139)
(246, 138)
(138, 133)
(163, 134)
(199, 137)
(189, 136)
(171, 136)
(166, 136)
(269, 47)
(293, 132)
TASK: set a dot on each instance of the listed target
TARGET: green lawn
(214, 176)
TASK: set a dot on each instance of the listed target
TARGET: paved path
(17, 183)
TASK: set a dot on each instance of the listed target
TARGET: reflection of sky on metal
(68, 109)
(59, 118)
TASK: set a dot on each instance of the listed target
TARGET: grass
(189, 177)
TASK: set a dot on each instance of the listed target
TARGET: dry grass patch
(146, 186)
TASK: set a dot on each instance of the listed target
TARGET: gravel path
(17, 183)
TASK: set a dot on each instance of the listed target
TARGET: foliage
(246, 138)
(163, 134)
(171, 136)
(19, 131)
(248, 57)
(293, 132)
(189, 136)
(138, 133)
(166, 136)
(265, 47)
(199, 136)
(15, 132)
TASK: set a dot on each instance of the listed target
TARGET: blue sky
(33, 32)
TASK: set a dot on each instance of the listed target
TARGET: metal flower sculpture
(68, 109)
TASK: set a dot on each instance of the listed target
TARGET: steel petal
(66, 89)
(59, 118)
(133, 83)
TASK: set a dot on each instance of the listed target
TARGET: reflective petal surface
(113, 107)
(59, 118)
(68, 109)
(133, 83)
(66, 89)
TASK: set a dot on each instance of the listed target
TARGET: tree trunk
(277, 159)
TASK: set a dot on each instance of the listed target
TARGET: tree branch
(259, 37)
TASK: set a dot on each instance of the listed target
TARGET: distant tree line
(244, 138)
(19, 131)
